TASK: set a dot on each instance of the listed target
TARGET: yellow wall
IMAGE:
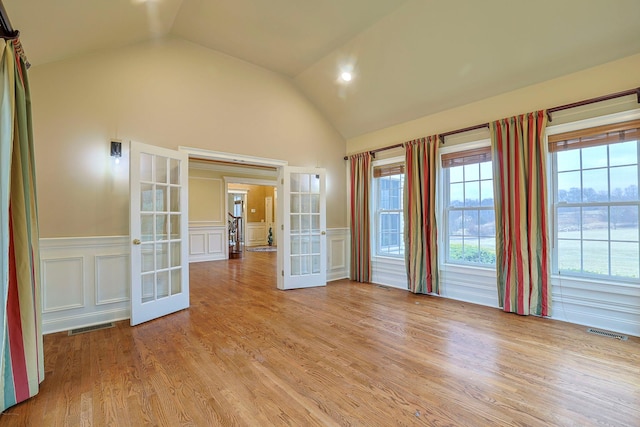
(167, 94)
(206, 200)
(612, 77)
(207, 196)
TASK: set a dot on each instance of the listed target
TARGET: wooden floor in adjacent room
(345, 354)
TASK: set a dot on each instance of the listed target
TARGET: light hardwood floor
(346, 354)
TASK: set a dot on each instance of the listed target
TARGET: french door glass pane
(146, 167)
(175, 253)
(176, 281)
(162, 255)
(148, 257)
(162, 194)
(174, 198)
(161, 169)
(146, 228)
(175, 171)
(163, 284)
(161, 227)
(148, 285)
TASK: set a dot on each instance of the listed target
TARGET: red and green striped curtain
(520, 197)
(21, 353)
(359, 183)
(420, 227)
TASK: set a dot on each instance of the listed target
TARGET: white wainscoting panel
(338, 250)
(207, 243)
(85, 281)
(197, 240)
(111, 272)
(256, 233)
(62, 274)
(600, 304)
(389, 271)
(471, 284)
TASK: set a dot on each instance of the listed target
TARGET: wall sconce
(116, 150)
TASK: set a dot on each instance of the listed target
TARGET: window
(596, 203)
(389, 215)
(470, 231)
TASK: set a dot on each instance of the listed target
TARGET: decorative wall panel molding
(112, 278)
(85, 281)
(207, 243)
(66, 273)
(338, 250)
(256, 233)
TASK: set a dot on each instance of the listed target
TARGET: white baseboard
(67, 323)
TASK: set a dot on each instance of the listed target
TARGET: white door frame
(240, 159)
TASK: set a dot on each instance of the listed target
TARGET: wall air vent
(607, 334)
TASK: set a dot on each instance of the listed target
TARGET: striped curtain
(420, 227)
(520, 197)
(359, 182)
(21, 353)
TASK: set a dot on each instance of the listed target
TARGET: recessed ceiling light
(346, 76)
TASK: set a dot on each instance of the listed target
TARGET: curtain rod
(7, 31)
(635, 91)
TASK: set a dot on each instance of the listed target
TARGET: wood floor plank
(348, 354)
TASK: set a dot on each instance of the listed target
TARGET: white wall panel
(197, 242)
(85, 281)
(337, 253)
(112, 278)
(62, 283)
(256, 233)
(215, 243)
(207, 243)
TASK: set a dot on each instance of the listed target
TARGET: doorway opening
(232, 204)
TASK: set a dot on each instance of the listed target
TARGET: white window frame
(375, 219)
(552, 179)
(443, 199)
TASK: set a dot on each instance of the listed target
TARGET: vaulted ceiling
(409, 58)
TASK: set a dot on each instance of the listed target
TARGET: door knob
(136, 241)
(323, 233)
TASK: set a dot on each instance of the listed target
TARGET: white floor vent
(607, 334)
(91, 328)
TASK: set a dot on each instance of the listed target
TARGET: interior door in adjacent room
(158, 232)
(302, 257)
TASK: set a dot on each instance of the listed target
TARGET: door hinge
(282, 272)
(282, 181)
(282, 227)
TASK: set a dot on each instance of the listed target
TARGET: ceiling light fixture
(346, 76)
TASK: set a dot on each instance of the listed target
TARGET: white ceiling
(410, 57)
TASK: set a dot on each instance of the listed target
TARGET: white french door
(158, 230)
(302, 238)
